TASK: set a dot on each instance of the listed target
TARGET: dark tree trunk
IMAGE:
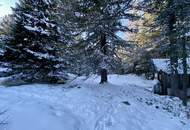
(103, 71)
(104, 74)
(172, 39)
(184, 61)
(185, 84)
(173, 46)
(185, 78)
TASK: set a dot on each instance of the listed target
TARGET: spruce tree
(98, 22)
(34, 51)
(174, 18)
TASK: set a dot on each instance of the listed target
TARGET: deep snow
(125, 103)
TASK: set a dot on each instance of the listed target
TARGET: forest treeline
(44, 40)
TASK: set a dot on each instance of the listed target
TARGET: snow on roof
(164, 65)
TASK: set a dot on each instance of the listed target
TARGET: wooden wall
(173, 84)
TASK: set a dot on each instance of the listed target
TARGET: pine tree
(183, 28)
(174, 19)
(97, 22)
(170, 20)
(34, 51)
(145, 42)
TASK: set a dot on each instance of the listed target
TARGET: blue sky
(5, 6)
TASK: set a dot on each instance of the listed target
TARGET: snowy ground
(125, 103)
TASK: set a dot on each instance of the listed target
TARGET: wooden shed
(171, 84)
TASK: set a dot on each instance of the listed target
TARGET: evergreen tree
(170, 13)
(34, 51)
(174, 19)
(97, 22)
(145, 42)
(183, 28)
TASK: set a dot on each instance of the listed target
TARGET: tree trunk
(104, 74)
(174, 85)
(185, 78)
(172, 39)
(185, 84)
(173, 44)
(103, 70)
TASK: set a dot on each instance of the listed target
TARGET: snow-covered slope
(125, 103)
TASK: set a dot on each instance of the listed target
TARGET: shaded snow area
(125, 103)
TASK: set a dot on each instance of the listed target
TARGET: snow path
(86, 105)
